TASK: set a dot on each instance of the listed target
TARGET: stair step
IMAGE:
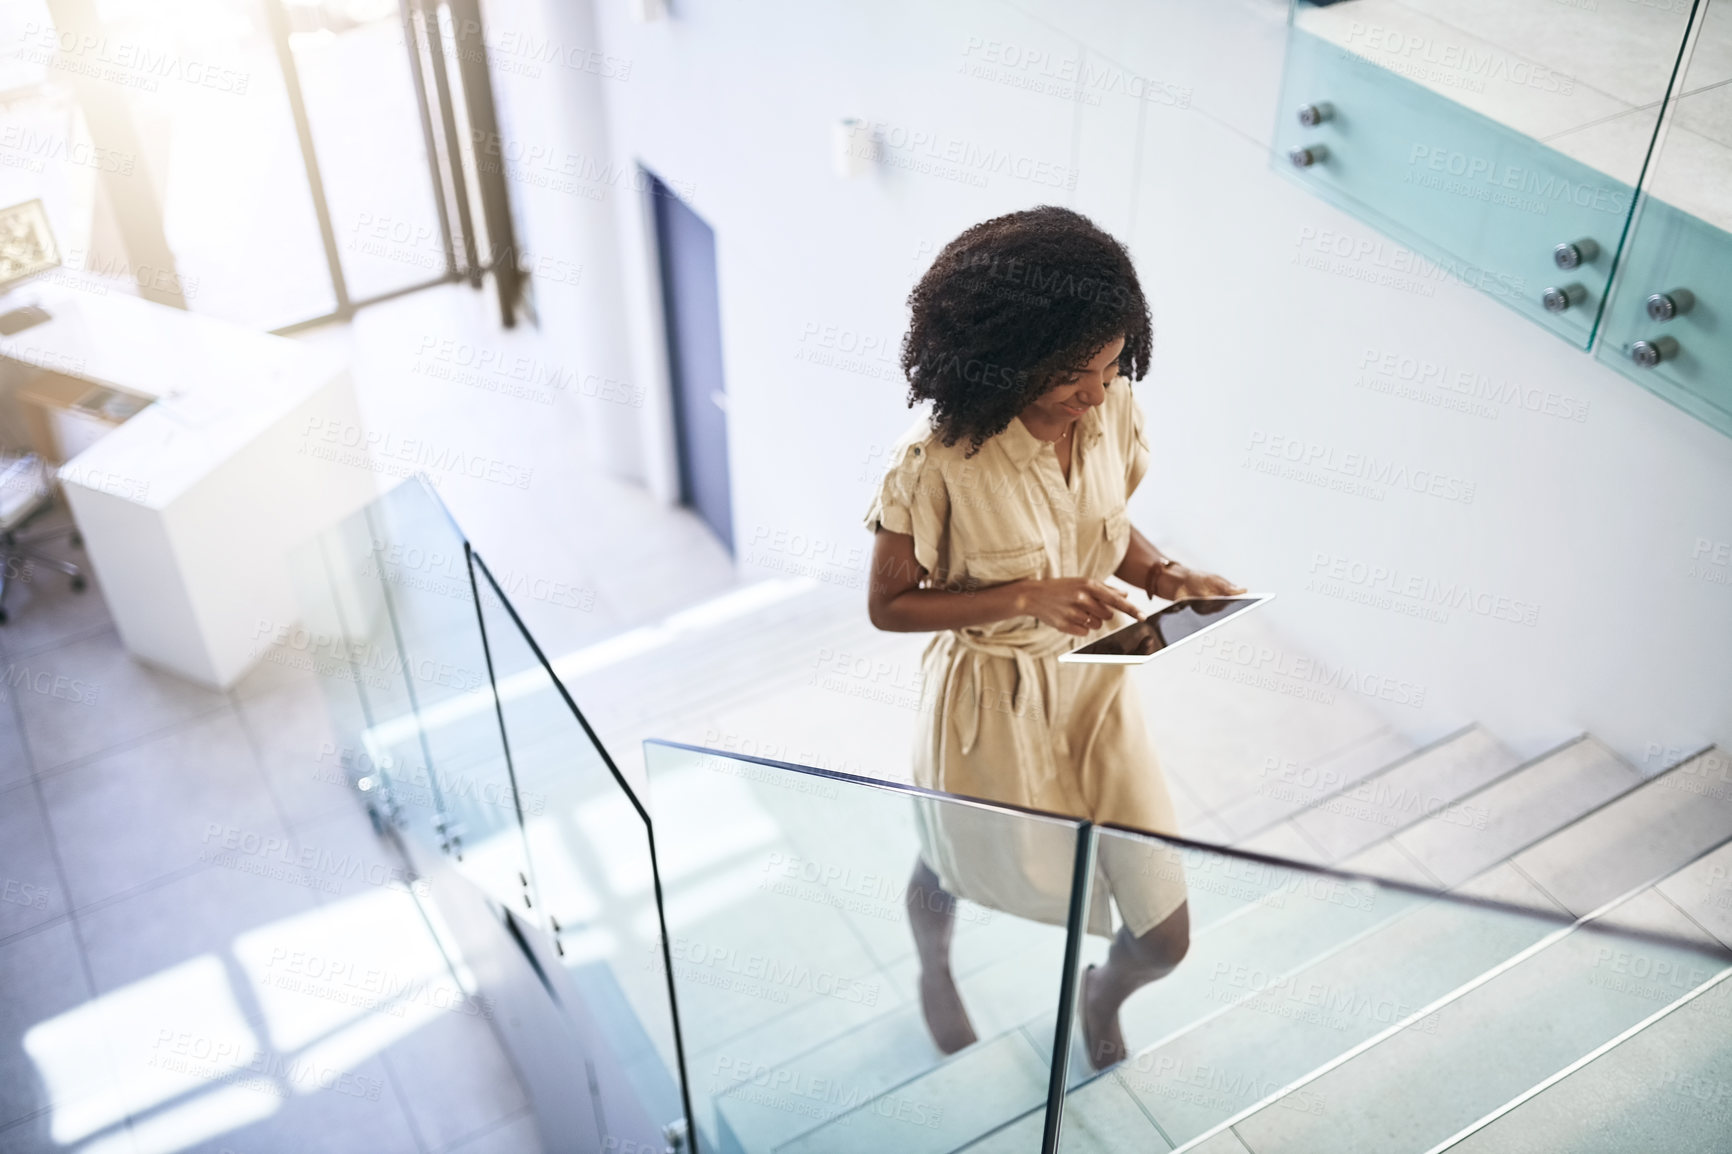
(1395, 796)
(1387, 860)
(1408, 791)
(1492, 1042)
(1320, 1010)
(1298, 917)
(1283, 787)
(1382, 967)
(1516, 810)
(1226, 1142)
(782, 1099)
(1669, 1084)
(1645, 833)
(1099, 1118)
(779, 1078)
(972, 1094)
(1285, 840)
(1703, 890)
(1276, 938)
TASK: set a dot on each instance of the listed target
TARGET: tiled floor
(171, 978)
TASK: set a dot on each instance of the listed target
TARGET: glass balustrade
(1668, 324)
(751, 945)
(466, 746)
(591, 861)
(1500, 143)
(788, 897)
(391, 627)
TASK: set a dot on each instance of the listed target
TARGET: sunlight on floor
(180, 1054)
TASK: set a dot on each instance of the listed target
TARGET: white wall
(1594, 523)
(550, 81)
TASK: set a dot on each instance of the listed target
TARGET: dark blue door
(692, 309)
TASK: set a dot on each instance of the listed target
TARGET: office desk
(189, 508)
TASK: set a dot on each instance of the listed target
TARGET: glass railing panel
(342, 619)
(1668, 1084)
(421, 562)
(800, 991)
(591, 869)
(1668, 323)
(1489, 1041)
(349, 616)
(1481, 138)
(407, 653)
(1282, 971)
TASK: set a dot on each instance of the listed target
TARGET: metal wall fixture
(1648, 354)
(1664, 306)
(1562, 298)
(1569, 256)
(1310, 116)
(1576, 253)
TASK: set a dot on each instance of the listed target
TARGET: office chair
(25, 494)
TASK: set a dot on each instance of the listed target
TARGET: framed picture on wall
(26, 243)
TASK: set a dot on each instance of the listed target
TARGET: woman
(996, 526)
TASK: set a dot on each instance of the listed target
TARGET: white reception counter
(189, 508)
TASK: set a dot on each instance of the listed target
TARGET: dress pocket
(1117, 530)
(996, 566)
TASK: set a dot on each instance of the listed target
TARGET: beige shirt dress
(1001, 719)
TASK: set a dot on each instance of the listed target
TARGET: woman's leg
(932, 915)
(1132, 963)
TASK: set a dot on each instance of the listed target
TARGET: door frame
(675, 465)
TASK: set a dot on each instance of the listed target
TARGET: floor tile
(174, 802)
(41, 977)
(456, 1080)
(300, 750)
(14, 757)
(513, 1136)
(96, 696)
(346, 858)
(130, 939)
(330, 1109)
(30, 891)
(278, 668)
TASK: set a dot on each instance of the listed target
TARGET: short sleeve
(912, 499)
(1136, 442)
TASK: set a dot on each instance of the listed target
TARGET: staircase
(1443, 1025)
(1369, 1018)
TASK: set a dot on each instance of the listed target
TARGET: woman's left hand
(1177, 583)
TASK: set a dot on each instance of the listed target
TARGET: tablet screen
(1167, 627)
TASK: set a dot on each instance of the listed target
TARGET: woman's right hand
(1073, 605)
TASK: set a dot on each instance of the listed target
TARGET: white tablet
(1165, 628)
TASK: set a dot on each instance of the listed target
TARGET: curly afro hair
(1008, 306)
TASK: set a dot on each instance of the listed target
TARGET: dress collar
(1022, 446)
